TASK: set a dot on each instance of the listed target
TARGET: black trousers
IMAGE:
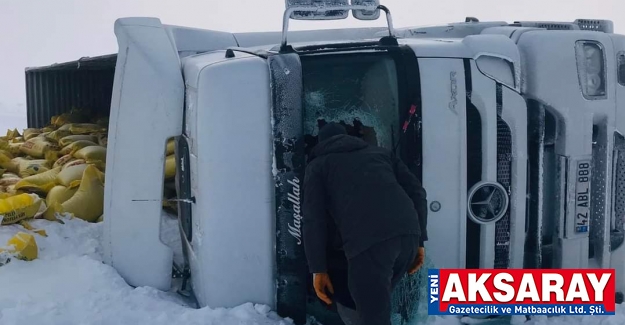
(373, 274)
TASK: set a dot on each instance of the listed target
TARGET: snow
(170, 235)
(68, 284)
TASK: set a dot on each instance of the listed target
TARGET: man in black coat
(379, 209)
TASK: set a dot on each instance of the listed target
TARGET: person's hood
(337, 144)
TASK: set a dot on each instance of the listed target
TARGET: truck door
(148, 95)
(288, 144)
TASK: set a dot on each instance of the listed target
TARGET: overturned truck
(514, 129)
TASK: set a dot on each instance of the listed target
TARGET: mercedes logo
(488, 202)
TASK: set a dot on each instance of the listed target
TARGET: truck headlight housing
(591, 69)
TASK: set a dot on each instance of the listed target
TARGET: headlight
(591, 69)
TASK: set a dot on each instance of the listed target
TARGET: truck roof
(85, 82)
(193, 40)
(92, 63)
(200, 40)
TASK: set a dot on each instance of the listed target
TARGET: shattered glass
(409, 300)
(359, 92)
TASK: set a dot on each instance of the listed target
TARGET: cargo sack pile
(58, 171)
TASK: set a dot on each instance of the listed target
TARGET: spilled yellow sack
(37, 147)
(54, 123)
(27, 167)
(23, 246)
(91, 154)
(63, 160)
(85, 128)
(6, 161)
(59, 194)
(12, 134)
(6, 154)
(74, 163)
(29, 227)
(76, 145)
(73, 138)
(9, 175)
(9, 146)
(103, 140)
(100, 165)
(88, 202)
(73, 116)
(7, 191)
(11, 190)
(58, 135)
(71, 176)
(40, 183)
(47, 129)
(4, 187)
(170, 205)
(15, 148)
(52, 156)
(19, 207)
(31, 133)
(59, 120)
(8, 181)
(170, 167)
(170, 147)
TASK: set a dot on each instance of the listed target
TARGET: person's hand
(321, 282)
(418, 261)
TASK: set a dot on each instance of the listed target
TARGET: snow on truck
(514, 130)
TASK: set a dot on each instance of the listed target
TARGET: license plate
(582, 196)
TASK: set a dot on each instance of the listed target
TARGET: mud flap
(288, 133)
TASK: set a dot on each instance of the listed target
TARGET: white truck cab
(514, 130)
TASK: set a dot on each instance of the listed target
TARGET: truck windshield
(359, 91)
(371, 94)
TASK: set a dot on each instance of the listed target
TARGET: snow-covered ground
(68, 284)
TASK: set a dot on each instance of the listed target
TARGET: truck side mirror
(332, 10)
(320, 14)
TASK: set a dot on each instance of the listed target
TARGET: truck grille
(555, 26)
(595, 25)
(617, 236)
(598, 185)
(534, 248)
(504, 177)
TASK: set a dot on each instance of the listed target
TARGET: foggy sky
(42, 32)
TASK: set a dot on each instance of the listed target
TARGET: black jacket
(368, 193)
